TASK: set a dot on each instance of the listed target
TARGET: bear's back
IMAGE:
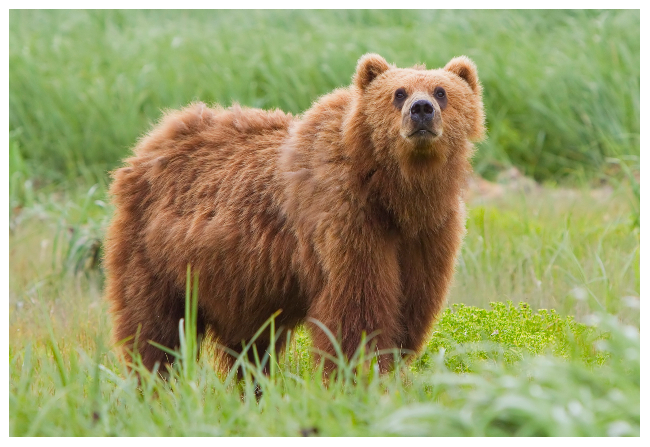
(203, 188)
(192, 152)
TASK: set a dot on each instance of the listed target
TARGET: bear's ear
(466, 69)
(368, 68)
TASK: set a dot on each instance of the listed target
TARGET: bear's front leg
(360, 295)
(427, 270)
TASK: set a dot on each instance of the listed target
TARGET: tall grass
(60, 390)
(555, 248)
(561, 87)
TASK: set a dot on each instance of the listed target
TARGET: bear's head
(420, 115)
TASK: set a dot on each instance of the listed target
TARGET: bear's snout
(421, 120)
(422, 112)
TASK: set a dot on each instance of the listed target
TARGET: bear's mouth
(423, 133)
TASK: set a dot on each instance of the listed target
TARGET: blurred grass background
(561, 87)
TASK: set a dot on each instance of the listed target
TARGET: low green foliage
(508, 332)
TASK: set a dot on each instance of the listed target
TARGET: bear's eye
(400, 98)
(440, 95)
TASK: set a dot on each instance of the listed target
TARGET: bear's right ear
(368, 68)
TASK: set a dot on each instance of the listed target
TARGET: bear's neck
(419, 194)
(423, 201)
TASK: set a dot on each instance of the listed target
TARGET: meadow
(541, 334)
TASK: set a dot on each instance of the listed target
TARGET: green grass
(490, 367)
(553, 248)
(561, 87)
(58, 391)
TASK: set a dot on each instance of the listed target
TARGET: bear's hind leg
(261, 347)
(153, 316)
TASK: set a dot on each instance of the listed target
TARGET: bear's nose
(422, 111)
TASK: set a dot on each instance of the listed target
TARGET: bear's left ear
(368, 68)
(466, 69)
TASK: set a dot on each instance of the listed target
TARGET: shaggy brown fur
(350, 215)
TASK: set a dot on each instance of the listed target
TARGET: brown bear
(350, 214)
